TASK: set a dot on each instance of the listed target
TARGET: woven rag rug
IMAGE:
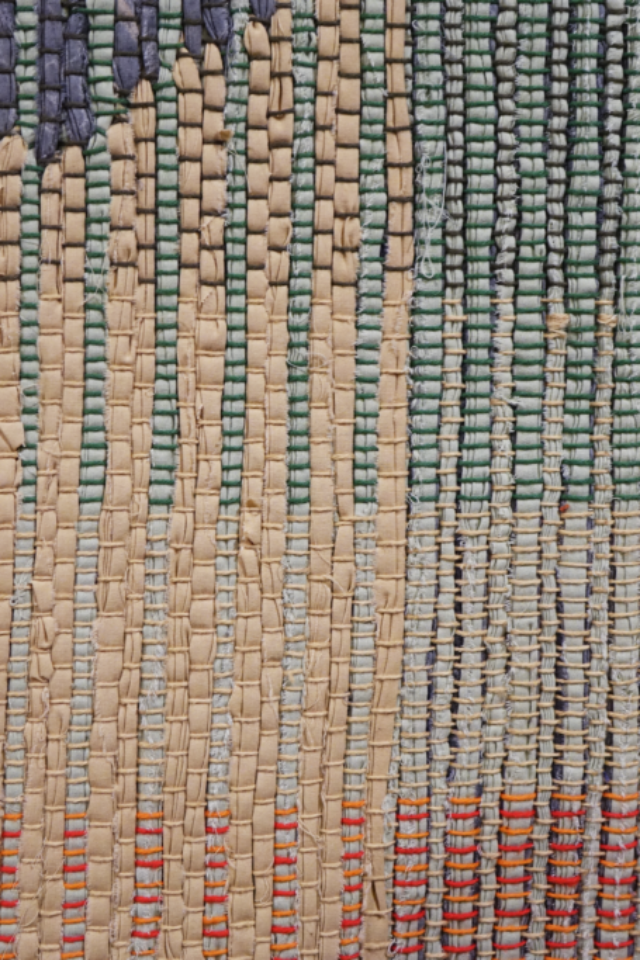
(319, 479)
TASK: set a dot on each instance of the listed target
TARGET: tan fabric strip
(143, 121)
(182, 525)
(68, 506)
(245, 707)
(113, 693)
(51, 350)
(142, 553)
(321, 492)
(274, 504)
(209, 347)
(13, 152)
(346, 241)
(392, 482)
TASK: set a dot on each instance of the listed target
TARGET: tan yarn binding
(244, 705)
(113, 694)
(51, 350)
(321, 510)
(274, 503)
(12, 156)
(392, 483)
(346, 240)
(182, 526)
(68, 507)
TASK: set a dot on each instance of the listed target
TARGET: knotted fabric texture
(319, 479)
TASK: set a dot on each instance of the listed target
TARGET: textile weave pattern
(319, 479)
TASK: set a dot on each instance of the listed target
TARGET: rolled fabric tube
(8, 57)
(50, 46)
(263, 9)
(192, 26)
(126, 58)
(217, 20)
(79, 119)
(149, 40)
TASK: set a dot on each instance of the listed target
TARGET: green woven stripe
(233, 402)
(393, 779)
(164, 457)
(94, 448)
(297, 527)
(496, 707)
(528, 391)
(370, 290)
(582, 198)
(474, 464)
(426, 386)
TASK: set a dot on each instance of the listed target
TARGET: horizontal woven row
(320, 479)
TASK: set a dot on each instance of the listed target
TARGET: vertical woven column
(57, 823)
(42, 634)
(296, 558)
(502, 423)
(165, 458)
(389, 591)
(12, 157)
(449, 450)
(114, 531)
(555, 363)
(180, 557)
(518, 810)
(602, 570)
(321, 486)
(576, 547)
(462, 880)
(272, 547)
(14, 767)
(344, 272)
(141, 332)
(370, 291)
(233, 415)
(206, 616)
(600, 598)
(205, 243)
(426, 363)
(13, 154)
(92, 480)
(245, 703)
(143, 555)
(617, 928)
(69, 906)
(552, 445)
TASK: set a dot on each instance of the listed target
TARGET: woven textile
(319, 479)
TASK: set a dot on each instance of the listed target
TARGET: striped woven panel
(319, 479)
